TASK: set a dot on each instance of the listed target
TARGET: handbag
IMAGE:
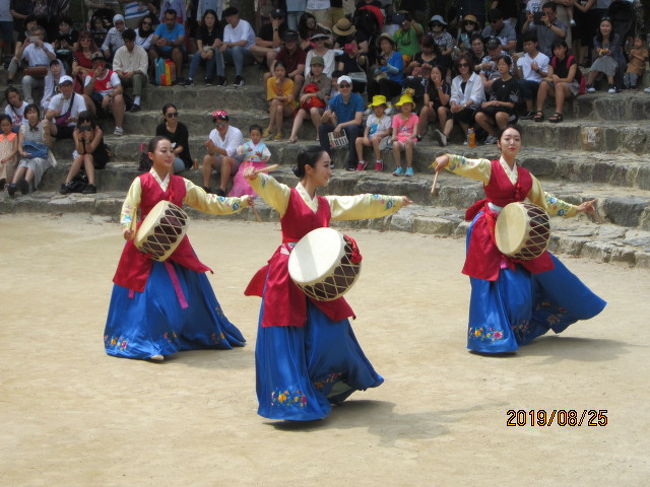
(314, 101)
(62, 120)
(35, 149)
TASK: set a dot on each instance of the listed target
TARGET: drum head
(315, 255)
(511, 228)
(162, 230)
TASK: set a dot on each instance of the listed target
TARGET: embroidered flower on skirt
(485, 334)
(328, 379)
(288, 398)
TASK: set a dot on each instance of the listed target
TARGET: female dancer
(306, 355)
(513, 302)
(159, 308)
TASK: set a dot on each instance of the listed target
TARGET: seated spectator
(33, 150)
(131, 65)
(499, 29)
(99, 27)
(38, 55)
(168, 42)
(407, 38)
(307, 28)
(608, 56)
(135, 11)
(468, 29)
(388, 75)
(15, 108)
(279, 94)
(66, 42)
(488, 69)
(145, 32)
(376, 134)
(269, 39)
(345, 33)
(222, 145)
(349, 63)
(238, 38)
(437, 94)
(113, 40)
(547, 29)
(103, 92)
(22, 41)
(498, 111)
(477, 53)
(323, 11)
(82, 64)
(293, 58)
(441, 37)
(562, 82)
(179, 136)
(51, 83)
(90, 153)
(313, 98)
(208, 51)
(405, 134)
(532, 68)
(254, 153)
(509, 10)
(429, 55)
(344, 114)
(177, 6)
(638, 57)
(467, 94)
(64, 109)
(320, 49)
(20, 12)
(8, 150)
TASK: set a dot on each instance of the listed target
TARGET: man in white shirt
(64, 109)
(532, 67)
(38, 55)
(131, 63)
(238, 38)
(222, 145)
(113, 40)
(103, 91)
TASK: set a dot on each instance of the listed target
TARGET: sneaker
(611, 90)
(278, 136)
(418, 138)
(591, 89)
(188, 82)
(135, 108)
(647, 90)
(179, 81)
(11, 189)
(239, 82)
(208, 81)
(221, 81)
(220, 192)
(398, 172)
(89, 189)
(490, 139)
(118, 131)
(442, 138)
(379, 166)
(351, 168)
(362, 165)
(23, 186)
(572, 23)
(3, 182)
(409, 171)
(207, 189)
(65, 189)
(528, 116)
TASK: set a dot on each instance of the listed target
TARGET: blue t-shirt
(397, 73)
(172, 35)
(346, 111)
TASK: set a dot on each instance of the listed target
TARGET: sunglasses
(344, 85)
(85, 128)
(171, 115)
(470, 22)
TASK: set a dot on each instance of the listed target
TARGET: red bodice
(284, 302)
(134, 266)
(484, 260)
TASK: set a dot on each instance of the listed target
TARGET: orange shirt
(273, 89)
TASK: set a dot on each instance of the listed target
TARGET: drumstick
(257, 214)
(435, 180)
(270, 168)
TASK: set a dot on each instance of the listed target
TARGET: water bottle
(471, 137)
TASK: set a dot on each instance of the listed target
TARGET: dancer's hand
(129, 234)
(406, 201)
(440, 163)
(587, 207)
(250, 173)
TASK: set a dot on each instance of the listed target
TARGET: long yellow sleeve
(553, 206)
(363, 206)
(273, 192)
(479, 169)
(197, 198)
(129, 212)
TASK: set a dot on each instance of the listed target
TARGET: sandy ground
(72, 415)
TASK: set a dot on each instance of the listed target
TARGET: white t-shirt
(230, 143)
(243, 32)
(104, 86)
(60, 106)
(525, 63)
(37, 56)
(318, 4)
(17, 115)
(375, 124)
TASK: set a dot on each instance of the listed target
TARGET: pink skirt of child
(240, 185)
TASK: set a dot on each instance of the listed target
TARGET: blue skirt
(520, 306)
(154, 322)
(300, 372)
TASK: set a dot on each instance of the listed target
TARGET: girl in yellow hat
(378, 128)
(405, 134)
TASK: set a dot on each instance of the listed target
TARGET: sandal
(292, 140)
(557, 117)
(539, 116)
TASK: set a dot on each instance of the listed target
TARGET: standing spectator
(8, 150)
(313, 98)
(177, 6)
(389, 72)
(222, 145)
(64, 109)
(238, 38)
(279, 94)
(467, 94)
(295, 9)
(131, 64)
(6, 30)
(636, 66)
(405, 134)
(532, 68)
(38, 55)
(586, 25)
(499, 29)
(103, 91)
(407, 38)
(51, 83)
(437, 94)
(609, 58)
(344, 114)
(202, 6)
(320, 49)
(82, 64)
(21, 10)
(293, 58)
(498, 111)
(562, 82)
(208, 51)
(179, 136)
(144, 33)
(15, 108)
(564, 11)
(548, 29)
(168, 41)
(377, 133)
(269, 39)
(442, 38)
(114, 40)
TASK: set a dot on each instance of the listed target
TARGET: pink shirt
(404, 130)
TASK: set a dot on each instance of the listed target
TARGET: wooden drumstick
(270, 168)
(435, 180)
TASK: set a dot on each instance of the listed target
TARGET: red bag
(314, 101)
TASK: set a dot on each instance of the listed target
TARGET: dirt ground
(73, 416)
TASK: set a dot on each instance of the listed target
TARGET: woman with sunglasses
(144, 32)
(467, 94)
(178, 134)
(469, 28)
(82, 64)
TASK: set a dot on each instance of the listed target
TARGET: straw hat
(378, 100)
(344, 27)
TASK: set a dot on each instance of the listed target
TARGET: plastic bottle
(471, 137)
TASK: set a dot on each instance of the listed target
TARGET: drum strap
(176, 284)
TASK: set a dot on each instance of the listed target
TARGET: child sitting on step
(255, 154)
(376, 134)
(404, 134)
(638, 57)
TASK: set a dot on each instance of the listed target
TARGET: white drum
(325, 264)
(522, 231)
(162, 230)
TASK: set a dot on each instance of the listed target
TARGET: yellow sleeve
(197, 198)
(553, 206)
(479, 169)
(363, 206)
(273, 192)
(270, 91)
(129, 212)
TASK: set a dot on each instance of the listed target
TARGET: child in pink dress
(404, 134)
(255, 154)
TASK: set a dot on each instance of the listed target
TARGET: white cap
(118, 17)
(344, 79)
(65, 79)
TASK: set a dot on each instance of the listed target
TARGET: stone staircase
(600, 151)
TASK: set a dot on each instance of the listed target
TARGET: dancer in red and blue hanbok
(160, 308)
(515, 301)
(307, 356)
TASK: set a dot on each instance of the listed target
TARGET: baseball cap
(317, 60)
(65, 79)
(344, 79)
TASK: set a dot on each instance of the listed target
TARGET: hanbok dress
(160, 308)
(307, 356)
(255, 155)
(515, 301)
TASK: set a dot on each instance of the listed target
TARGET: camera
(537, 17)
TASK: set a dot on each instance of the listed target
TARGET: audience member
(238, 38)
(437, 95)
(532, 68)
(82, 64)
(488, 69)
(562, 82)
(477, 53)
(313, 98)
(407, 38)
(222, 145)
(442, 38)
(131, 64)
(169, 42)
(103, 92)
(177, 6)
(498, 111)
(208, 52)
(638, 59)
(255, 154)
(469, 28)
(279, 95)
(67, 41)
(467, 94)
(547, 29)
(51, 82)
(293, 58)
(179, 136)
(388, 75)
(8, 150)
(64, 109)
(499, 29)
(15, 108)
(295, 9)
(269, 39)
(22, 41)
(376, 134)
(145, 32)
(320, 49)
(38, 55)
(609, 59)
(405, 134)
(113, 40)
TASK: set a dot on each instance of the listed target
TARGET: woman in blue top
(388, 75)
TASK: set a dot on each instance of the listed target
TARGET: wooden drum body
(522, 231)
(324, 264)
(162, 230)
